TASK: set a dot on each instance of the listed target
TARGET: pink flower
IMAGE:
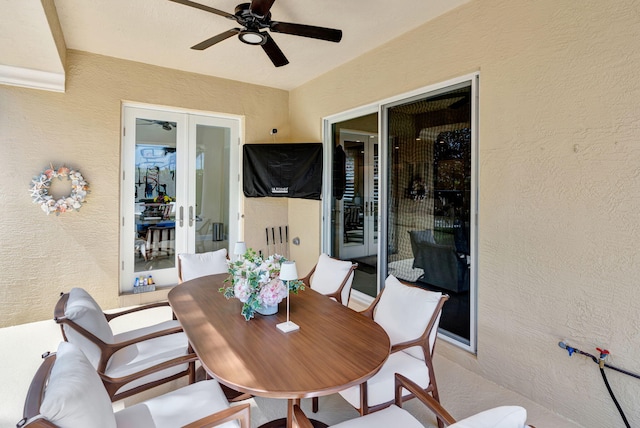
(273, 292)
(242, 291)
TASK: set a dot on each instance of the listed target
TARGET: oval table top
(334, 349)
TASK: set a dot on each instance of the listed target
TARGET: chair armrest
(119, 345)
(307, 279)
(113, 315)
(108, 349)
(338, 293)
(242, 413)
(300, 420)
(183, 359)
(426, 399)
(371, 309)
(35, 393)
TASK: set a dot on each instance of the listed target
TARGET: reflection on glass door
(360, 200)
(430, 206)
(177, 196)
(155, 195)
(354, 206)
(210, 215)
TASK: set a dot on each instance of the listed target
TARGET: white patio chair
(410, 315)
(332, 277)
(191, 266)
(395, 415)
(67, 392)
(119, 358)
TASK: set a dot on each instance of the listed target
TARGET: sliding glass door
(406, 205)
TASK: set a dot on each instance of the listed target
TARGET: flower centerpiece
(256, 282)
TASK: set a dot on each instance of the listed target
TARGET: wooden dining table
(334, 349)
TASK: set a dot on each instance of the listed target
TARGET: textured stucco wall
(559, 182)
(42, 255)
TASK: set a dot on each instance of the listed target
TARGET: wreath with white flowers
(40, 190)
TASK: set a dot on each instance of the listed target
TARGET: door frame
(380, 107)
(185, 119)
(327, 213)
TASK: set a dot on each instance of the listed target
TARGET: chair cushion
(498, 417)
(75, 396)
(404, 313)
(202, 264)
(148, 353)
(84, 311)
(176, 408)
(329, 274)
(381, 387)
(392, 416)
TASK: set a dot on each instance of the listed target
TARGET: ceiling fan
(254, 17)
(167, 126)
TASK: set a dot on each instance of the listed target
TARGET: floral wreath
(40, 190)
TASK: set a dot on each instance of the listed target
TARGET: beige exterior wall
(559, 184)
(41, 255)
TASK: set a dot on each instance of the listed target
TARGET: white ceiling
(161, 32)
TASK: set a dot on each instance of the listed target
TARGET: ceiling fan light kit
(256, 16)
(251, 37)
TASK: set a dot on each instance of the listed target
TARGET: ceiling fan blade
(321, 33)
(261, 8)
(205, 8)
(273, 52)
(215, 39)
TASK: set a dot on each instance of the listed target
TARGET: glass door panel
(154, 195)
(354, 222)
(212, 161)
(430, 208)
(360, 201)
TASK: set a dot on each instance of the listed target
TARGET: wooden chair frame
(300, 420)
(338, 293)
(36, 393)
(443, 417)
(107, 350)
(422, 341)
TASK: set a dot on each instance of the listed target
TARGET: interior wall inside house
(42, 255)
(558, 184)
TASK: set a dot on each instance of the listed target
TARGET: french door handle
(366, 208)
(191, 217)
(181, 216)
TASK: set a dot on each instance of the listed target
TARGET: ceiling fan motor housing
(256, 17)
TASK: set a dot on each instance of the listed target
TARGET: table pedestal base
(282, 423)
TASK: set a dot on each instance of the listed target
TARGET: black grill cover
(282, 170)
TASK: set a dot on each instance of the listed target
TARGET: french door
(177, 195)
(360, 201)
